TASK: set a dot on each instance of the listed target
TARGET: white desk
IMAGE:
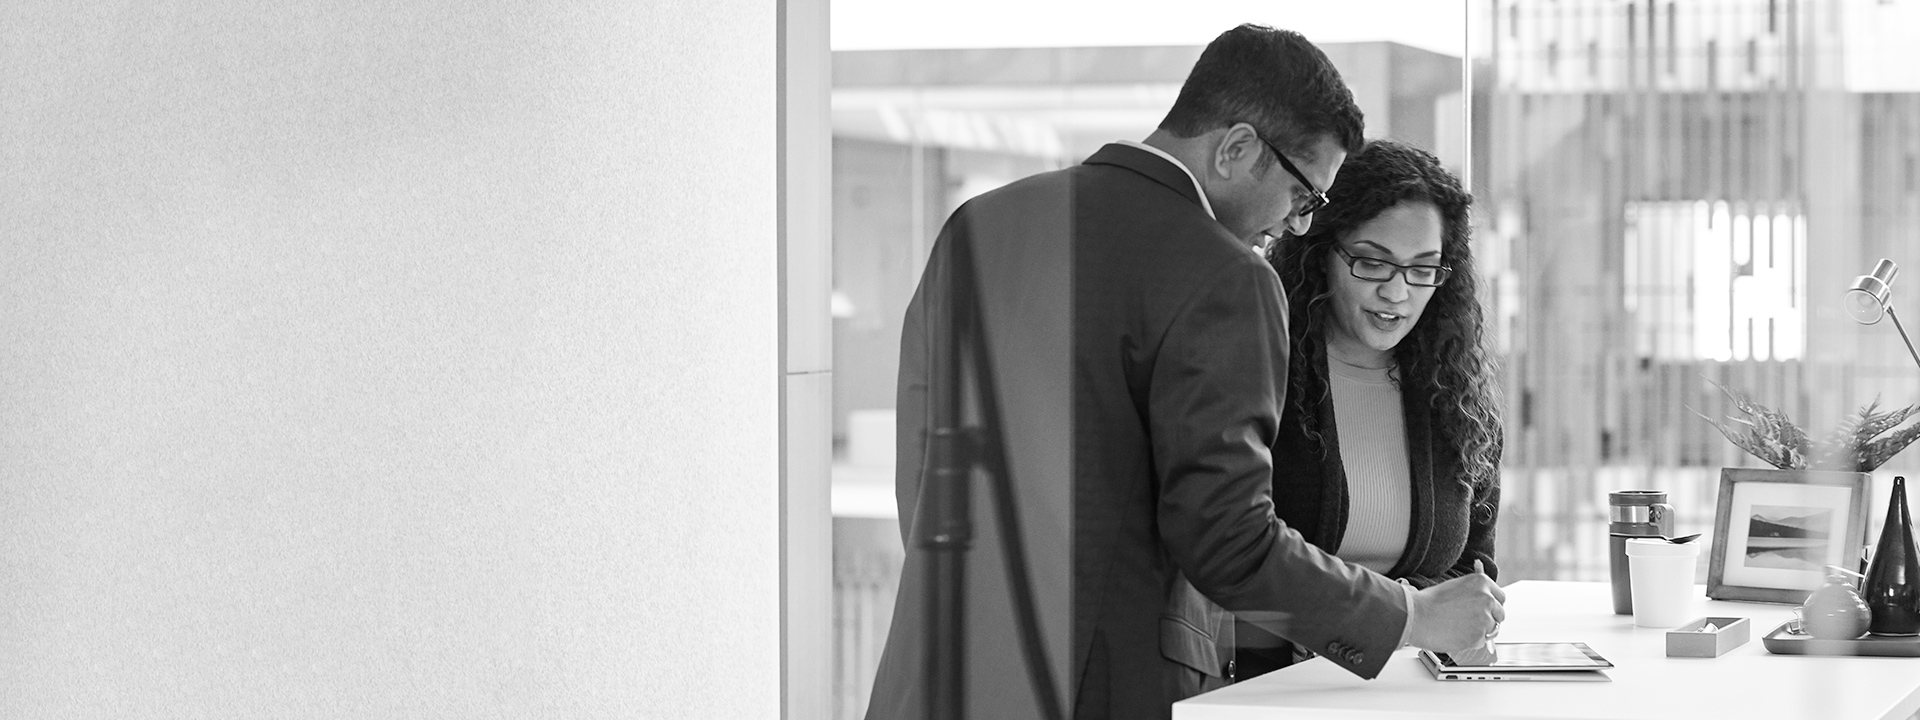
(1748, 682)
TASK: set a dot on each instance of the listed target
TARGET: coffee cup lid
(1660, 547)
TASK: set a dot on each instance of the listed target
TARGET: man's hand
(1458, 614)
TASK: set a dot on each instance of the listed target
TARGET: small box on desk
(1694, 640)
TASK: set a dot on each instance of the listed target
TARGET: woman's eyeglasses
(1377, 270)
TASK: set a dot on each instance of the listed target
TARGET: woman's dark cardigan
(1452, 525)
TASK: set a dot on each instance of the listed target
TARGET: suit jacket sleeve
(1214, 401)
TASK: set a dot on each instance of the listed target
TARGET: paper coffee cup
(1662, 581)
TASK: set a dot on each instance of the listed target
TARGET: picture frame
(1775, 531)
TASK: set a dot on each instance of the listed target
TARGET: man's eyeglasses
(1315, 199)
(1378, 270)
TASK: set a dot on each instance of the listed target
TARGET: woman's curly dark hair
(1445, 355)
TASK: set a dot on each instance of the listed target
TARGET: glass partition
(1670, 199)
(934, 106)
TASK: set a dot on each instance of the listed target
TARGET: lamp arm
(1903, 334)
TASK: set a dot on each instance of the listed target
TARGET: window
(1703, 281)
(1661, 231)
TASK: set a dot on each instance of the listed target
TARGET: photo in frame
(1775, 531)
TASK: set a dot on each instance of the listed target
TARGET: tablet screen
(1535, 656)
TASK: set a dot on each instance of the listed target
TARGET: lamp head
(1871, 294)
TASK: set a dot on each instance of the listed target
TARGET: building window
(1710, 281)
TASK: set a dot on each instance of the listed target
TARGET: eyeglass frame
(1404, 271)
(1316, 200)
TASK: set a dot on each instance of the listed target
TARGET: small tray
(1782, 642)
(1692, 639)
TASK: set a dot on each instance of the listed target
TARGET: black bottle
(1892, 586)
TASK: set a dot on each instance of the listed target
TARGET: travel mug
(1632, 514)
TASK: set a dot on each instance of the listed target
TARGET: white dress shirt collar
(1202, 192)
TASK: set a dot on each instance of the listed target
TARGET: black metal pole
(946, 529)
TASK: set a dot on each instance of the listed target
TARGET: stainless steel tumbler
(1632, 514)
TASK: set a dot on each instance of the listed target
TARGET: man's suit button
(1358, 657)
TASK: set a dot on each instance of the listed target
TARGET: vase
(1892, 587)
(1835, 611)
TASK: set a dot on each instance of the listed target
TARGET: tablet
(1444, 674)
(1522, 662)
(1533, 656)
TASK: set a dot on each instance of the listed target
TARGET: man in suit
(1139, 347)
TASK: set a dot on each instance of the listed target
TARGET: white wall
(395, 359)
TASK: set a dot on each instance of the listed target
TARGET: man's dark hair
(1274, 80)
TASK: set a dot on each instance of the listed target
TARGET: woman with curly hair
(1389, 449)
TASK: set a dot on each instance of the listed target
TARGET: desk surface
(1747, 683)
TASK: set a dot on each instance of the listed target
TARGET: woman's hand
(1457, 615)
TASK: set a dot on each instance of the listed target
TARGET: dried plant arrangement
(1855, 446)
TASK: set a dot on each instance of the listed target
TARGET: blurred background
(1667, 195)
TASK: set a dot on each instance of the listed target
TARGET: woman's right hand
(1457, 615)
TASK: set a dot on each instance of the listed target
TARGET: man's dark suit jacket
(1452, 523)
(1142, 369)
